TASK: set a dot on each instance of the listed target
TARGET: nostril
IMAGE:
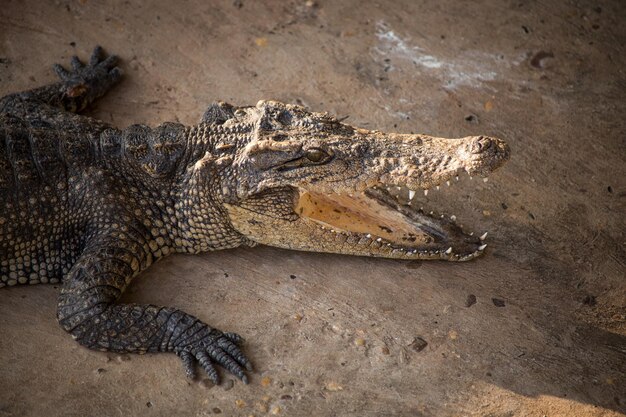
(481, 144)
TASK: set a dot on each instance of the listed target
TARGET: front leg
(87, 309)
(79, 86)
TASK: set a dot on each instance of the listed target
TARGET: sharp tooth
(482, 247)
(456, 178)
(448, 183)
(443, 215)
(484, 236)
(472, 234)
(431, 213)
(449, 251)
(379, 239)
(485, 179)
(437, 188)
(368, 235)
(471, 178)
(426, 192)
(411, 194)
(453, 217)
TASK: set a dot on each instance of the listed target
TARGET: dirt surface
(537, 327)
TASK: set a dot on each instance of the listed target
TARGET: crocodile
(89, 206)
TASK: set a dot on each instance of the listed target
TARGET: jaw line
(424, 236)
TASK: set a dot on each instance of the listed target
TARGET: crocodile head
(302, 180)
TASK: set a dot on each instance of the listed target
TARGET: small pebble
(384, 350)
(472, 118)
(333, 386)
(206, 383)
(470, 300)
(538, 60)
(217, 410)
(240, 403)
(418, 344)
(286, 397)
(266, 381)
(359, 341)
(498, 302)
(228, 384)
(589, 300)
(262, 407)
(297, 317)
(453, 335)
(276, 410)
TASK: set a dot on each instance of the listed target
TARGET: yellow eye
(315, 155)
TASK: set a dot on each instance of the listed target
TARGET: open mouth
(393, 221)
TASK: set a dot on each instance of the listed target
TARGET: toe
(224, 359)
(208, 367)
(109, 62)
(234, 351)
(188, 364)
(76, 64)
(96, 56)
(234, 337)
(61, 72)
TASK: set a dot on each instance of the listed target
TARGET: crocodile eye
(316, 155)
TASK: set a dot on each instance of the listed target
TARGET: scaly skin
(92, 206)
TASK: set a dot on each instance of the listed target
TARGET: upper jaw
(421, 162)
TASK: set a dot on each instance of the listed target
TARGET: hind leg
(78, 87)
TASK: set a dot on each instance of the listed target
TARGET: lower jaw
(375, 223)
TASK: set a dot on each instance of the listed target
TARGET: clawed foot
(85, 83)
(209, 346)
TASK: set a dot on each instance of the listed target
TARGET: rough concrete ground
(336, 335)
